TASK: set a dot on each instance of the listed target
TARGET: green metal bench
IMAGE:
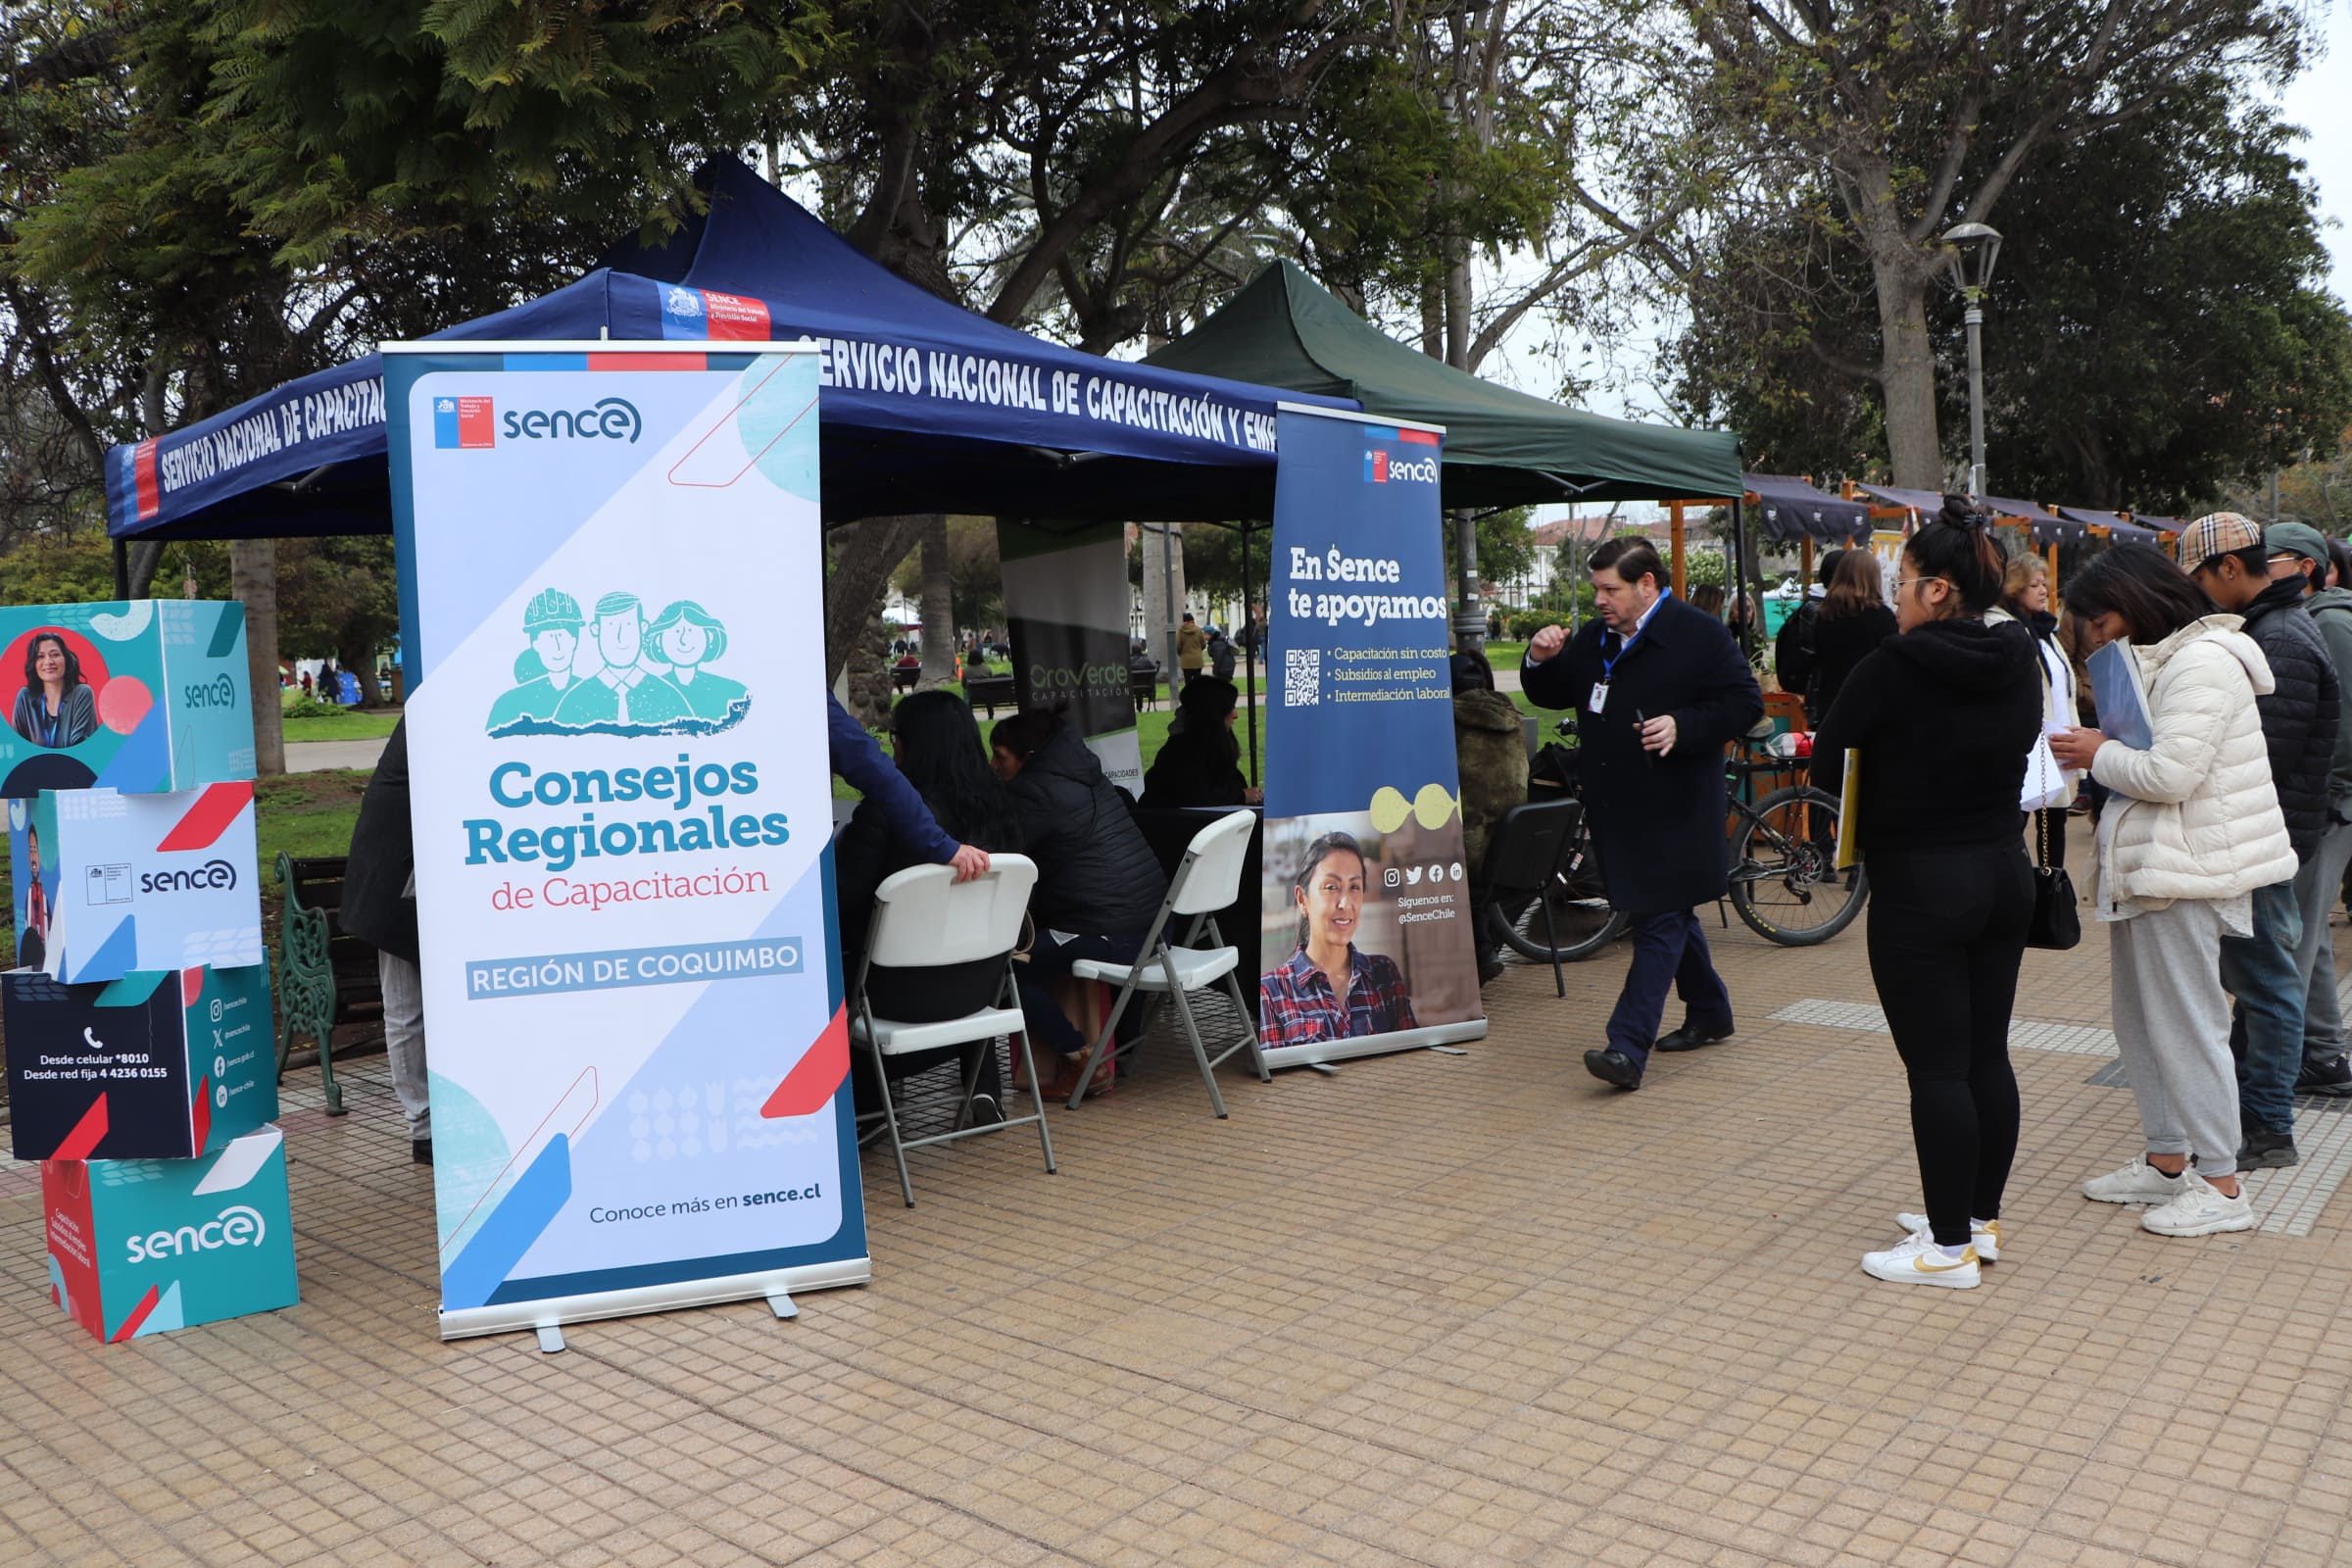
(325, 978)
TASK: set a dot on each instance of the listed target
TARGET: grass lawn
(354, 727)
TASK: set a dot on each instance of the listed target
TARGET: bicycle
(1783, 883)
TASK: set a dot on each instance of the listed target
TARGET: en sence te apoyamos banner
(1366, 938)
(611, 590)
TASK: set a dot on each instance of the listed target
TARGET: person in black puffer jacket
(1098, 885)
(2225, 554)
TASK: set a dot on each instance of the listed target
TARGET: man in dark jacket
(2226, 553)
(380, 908)
(1659, 689)
(2321, 881)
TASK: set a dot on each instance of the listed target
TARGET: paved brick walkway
(1430, 1311)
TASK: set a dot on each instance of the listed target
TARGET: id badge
(1599, 699)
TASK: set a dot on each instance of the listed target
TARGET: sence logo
(611, 420)
(234, 1226)
(1383, 467)
(211, 874)
(219, 691)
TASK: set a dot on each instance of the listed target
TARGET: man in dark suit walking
(1659, 689)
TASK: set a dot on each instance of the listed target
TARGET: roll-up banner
(1366, 938)
(612, 616)
(1066, 603)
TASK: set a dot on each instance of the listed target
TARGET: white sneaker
(1985, 1235)
(1917, 1261)
(2136, 1183)
(2201, 1210)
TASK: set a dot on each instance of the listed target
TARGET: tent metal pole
(1167, 593)
(1249, 653)
(1469, 625)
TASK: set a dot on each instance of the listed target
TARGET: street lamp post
(1970, 251)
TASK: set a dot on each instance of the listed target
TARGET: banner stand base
(780, 1302)
(546, 1316)
(1321, 1053)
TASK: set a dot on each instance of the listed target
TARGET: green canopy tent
(1503, 447)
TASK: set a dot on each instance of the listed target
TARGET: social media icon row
(1409, 877)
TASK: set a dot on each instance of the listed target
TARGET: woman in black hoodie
(1098, 885)
(1941, 718)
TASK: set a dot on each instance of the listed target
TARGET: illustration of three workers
(630, 678)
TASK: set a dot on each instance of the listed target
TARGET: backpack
(1793, 650)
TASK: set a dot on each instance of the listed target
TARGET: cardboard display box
(146, 1245)
(155, 697)
(160, 1065)
(108, 884)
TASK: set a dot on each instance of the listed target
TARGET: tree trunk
(939, 604)
(870, 693)
(253, 578)
(864, 555)
(1907, 375)
(361, 662)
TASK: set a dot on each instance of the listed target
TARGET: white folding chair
(924, 918)
(1208, 880)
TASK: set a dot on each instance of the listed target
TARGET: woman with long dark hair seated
(938, 747)
(1201, 762)
(1098, 885)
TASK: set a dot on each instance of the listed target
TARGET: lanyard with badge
(1599, 699)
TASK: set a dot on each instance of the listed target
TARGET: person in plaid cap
(2226, 555)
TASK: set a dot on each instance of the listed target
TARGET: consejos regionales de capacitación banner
(611, 590)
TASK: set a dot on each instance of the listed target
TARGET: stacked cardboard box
(138, 1029)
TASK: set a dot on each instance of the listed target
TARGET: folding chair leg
(1552, 940)
(1192, 1032)
(1094, 1052)
(1257, 1057)
(1029, 1064)
(890, 1119)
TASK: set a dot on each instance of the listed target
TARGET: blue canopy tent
(928, 407)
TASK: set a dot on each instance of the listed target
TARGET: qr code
(1302, 676)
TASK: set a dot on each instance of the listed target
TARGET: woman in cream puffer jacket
(2198, 816)
(2192, 829)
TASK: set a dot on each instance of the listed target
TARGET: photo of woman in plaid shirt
(1330, 991)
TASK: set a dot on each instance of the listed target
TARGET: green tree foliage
(2158, 324)
(1895, 121)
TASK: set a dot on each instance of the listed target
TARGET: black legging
(1947, 932)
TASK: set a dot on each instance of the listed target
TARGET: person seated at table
(938, 750)
(1098, 885)
(1201, 764)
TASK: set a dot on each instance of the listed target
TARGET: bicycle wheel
(1581, 922)
(1783, 882)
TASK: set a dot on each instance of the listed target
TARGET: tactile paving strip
(2286, 1202)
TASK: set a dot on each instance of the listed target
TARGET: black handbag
(2057, 922)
